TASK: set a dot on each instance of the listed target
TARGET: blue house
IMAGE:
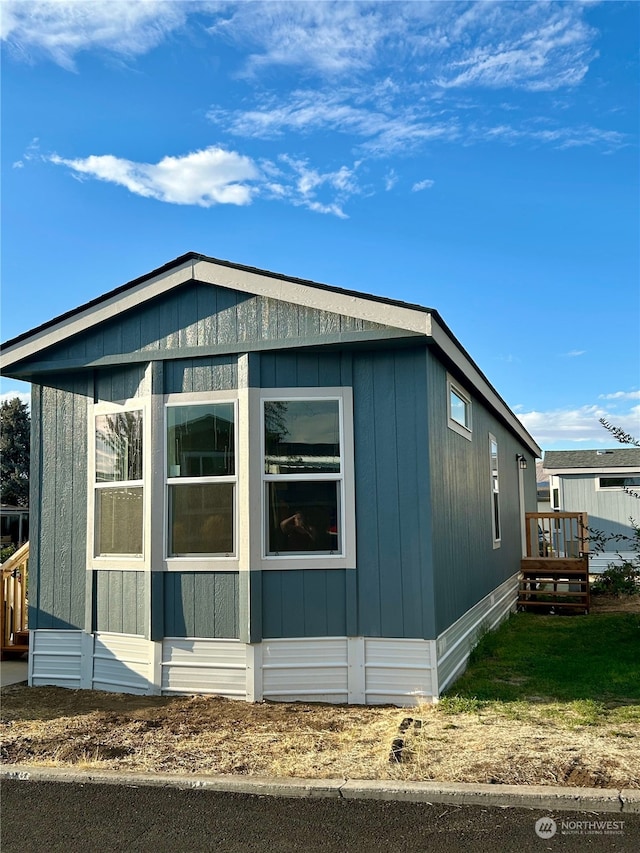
(251, 485)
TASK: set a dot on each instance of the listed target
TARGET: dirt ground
(526, 743)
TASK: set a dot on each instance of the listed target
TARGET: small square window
(459, 409)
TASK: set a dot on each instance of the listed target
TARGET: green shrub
(618, 579)
(6, 552)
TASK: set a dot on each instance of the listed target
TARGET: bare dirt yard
(533, 742)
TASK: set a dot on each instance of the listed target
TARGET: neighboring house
(594, 481)
(261, 487)
(544, 496)
(14, 525)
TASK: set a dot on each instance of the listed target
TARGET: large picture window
(201, 479)
(118, 487)
(303, 476)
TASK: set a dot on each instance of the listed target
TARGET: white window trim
(495, 490)
(456, 426)
(215, 563)
(616, 475)
(347, 558)
(115, 561)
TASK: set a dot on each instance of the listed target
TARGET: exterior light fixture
(522, 462)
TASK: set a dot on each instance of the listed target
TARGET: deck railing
(14, 614)
(554, 574)
(557, 535)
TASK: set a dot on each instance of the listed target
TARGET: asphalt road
(47, 817)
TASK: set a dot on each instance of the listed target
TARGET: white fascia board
(588, 472)
(477, 381)
(83, 320)
(360, 307)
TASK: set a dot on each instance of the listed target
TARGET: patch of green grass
(556, 658)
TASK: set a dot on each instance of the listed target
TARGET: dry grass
(540, 741)
(517, 743)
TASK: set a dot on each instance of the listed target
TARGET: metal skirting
(55, 657)
(204, 666)
(454, 645)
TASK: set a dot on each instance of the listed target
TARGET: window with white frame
(201, 479)
(458, 409)
(118, 511)
(304, 469)
(618, 482)
(495, 491)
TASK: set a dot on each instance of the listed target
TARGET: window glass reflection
(302, 436)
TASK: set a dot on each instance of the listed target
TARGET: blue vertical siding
(200, 374)
(466, 565)
(119, 602)
(59, 493)
(201, 604)
(392, 495)
(304, 603)
(202, 315)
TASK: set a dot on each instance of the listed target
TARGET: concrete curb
(504, 796)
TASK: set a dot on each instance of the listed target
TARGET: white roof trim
(363, 308)
(621, 469)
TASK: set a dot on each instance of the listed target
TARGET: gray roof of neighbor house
(600, 459)
(413, 321)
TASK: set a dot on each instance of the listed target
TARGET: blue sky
(477, 158)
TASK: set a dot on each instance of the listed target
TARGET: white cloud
(580, 425)
(60, 29)
(532, 46)
(621, 395)
(575, 353)
(390, 179)
(23, 396)
(204, 178)
(422, 185)
(216, 176)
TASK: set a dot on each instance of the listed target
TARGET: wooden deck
(14, 631)
(554, 575)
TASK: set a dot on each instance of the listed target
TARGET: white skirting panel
(55, 658)
(399, 672)
(122, 663)
(204, 666)
(599, 562)
(306, 669)
(455, 643)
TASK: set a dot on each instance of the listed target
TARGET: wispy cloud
(422, 185)
(383, 121)
(60, 29)
(532, 46)
(580, 425)
(204, 178)
(574, 353)
(621, 395)
(217, 176)
(382, 126)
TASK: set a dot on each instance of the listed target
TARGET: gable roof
(415, 320)
(592, 460)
